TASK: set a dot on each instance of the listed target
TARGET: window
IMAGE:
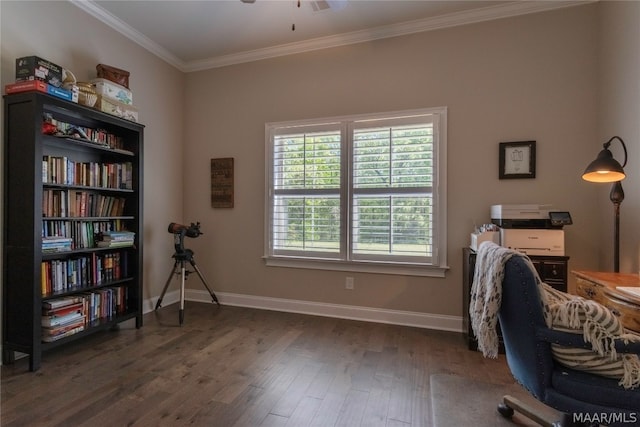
(358, 193)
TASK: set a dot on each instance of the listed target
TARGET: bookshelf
(72, 240)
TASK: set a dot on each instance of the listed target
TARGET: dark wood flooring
(231, 366)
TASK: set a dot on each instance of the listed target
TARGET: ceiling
(197, 35)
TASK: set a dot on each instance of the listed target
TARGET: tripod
(181, 256)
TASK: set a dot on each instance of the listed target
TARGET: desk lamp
(606, 169)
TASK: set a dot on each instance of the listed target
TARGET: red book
(26, 86)
(63, 311)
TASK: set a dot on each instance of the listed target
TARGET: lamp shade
(604, 169)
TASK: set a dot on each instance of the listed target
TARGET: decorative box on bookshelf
(72, 221)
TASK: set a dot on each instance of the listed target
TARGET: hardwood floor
(231, 366)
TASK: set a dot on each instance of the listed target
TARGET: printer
(521, 216)
(531, 229)
(533, 241)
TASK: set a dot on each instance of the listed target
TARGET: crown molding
(500, 11)
(90, 7)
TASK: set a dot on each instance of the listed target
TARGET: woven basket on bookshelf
(87, 94)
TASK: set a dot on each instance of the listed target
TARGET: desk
(601, 287)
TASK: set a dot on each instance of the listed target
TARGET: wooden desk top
(610, 281)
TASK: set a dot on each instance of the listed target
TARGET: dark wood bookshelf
(25, 147)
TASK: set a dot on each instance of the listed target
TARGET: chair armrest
(565, 339)
(568, 339)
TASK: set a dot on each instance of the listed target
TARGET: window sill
(401, 269)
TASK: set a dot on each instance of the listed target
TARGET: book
(116, 239)
(56, 249)
(55, 239)
(60, 302)
(26, 86)
(59, 92)
(110, 236)
(51, 338)
(64, 310)
(115, 244)
(51, 335)
(61, 320)
(56, 244)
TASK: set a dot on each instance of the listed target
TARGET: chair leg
(505, 410)
(511, 404)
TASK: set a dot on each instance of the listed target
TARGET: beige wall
(529, 77)
(64, 34)
(619, 114)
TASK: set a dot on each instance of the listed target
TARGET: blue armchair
(584, 398)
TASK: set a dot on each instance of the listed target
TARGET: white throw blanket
(486, 295)
(574, 313)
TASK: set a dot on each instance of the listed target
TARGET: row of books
(105, 303)
(82, 233)
(60, 227)
(83, 272)
(79, 203)
(62, 317)
(64, 171)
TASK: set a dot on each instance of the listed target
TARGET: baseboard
(378, 315)
(172, 297)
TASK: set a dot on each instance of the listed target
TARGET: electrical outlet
(348, 283)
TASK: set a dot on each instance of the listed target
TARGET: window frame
(341, 261)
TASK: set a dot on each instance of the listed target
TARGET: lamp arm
(624, 147)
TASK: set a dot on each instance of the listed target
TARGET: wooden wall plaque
(222, 182)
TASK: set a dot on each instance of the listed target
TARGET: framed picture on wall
(222, 191)
(517, 160)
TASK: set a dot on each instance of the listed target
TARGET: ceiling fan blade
(337, 4)
(318, 5)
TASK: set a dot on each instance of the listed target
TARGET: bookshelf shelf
(83, 145)
(77, 289)
(62, 195)
(75, 252)
(86, 188)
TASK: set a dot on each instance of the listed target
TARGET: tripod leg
(166, 285)
(195, 267)
(181, 312)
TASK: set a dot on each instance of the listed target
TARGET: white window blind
(392, 193)
(306, 192)
(358, 191)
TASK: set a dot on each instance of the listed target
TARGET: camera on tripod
(181, 257)
(192, 230)
(179, 231)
